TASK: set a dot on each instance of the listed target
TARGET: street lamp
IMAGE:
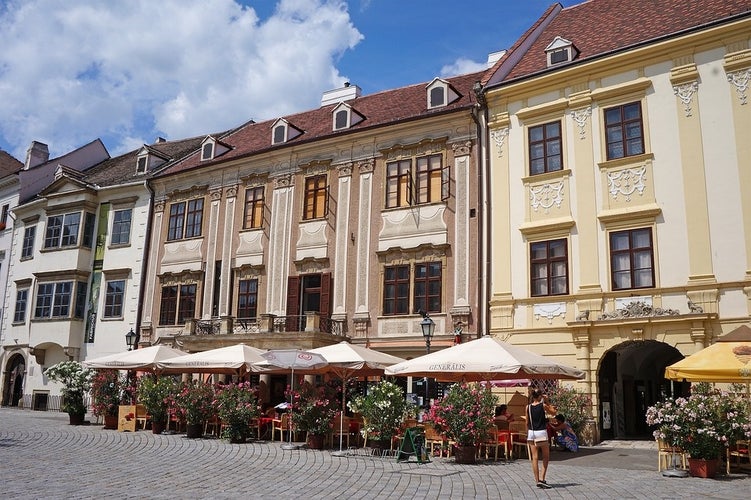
(428, 328)
(130, 339)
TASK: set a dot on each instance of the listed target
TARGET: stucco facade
(679, 199)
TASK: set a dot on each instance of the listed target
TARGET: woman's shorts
(538, 437)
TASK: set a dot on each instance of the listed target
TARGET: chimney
(160, 140)
(345, 93)
(37, 154)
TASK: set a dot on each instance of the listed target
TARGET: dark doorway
(14, 376)
(308, 293)
(630, 379)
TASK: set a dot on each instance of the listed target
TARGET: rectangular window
(247, 299)
(22, 298)
(88, 230)
(315, 197)
(113, 299)
(396, 290)
(399, 184)
(253, 208)
(80, 307)
(62, 230)
(428, 284)
(121, 227)
(429, 175)
(424, 181)
(4, 215)
(631, 259)
(185, 219)
(168, 306)
(27, 248)
(178, 304)
(53, 300)
(549, 268)
(623, 131)
(545, 148)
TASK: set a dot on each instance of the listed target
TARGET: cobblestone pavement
(44, 457)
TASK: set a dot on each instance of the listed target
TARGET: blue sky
(126, 72)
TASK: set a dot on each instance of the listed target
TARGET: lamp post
(428, 328)
(130, 339)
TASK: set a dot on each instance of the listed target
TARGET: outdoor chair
(213, 423)
(496, 441)
(433, 440)
(339, 427)
(739, 451)
(665, 454)
(282, 426)
(141, 417)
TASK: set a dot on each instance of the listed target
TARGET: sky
(127, 71)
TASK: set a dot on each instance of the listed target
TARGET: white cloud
(129, 70)
(462, 66)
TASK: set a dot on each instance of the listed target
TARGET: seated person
(565, 436)
(502, 415)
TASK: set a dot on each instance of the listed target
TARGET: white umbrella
(139, 359)
(290, 359)
(486, 358)
(232, 359)
(347, 360)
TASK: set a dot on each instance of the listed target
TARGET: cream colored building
(620, 192)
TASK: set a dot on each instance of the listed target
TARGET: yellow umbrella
(727, 360)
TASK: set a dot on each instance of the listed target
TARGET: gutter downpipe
(480, 116)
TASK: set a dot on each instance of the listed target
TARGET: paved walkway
(44, 457)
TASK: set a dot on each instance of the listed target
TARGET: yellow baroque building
(618, 180)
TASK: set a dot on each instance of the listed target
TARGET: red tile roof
(380, 109)
(8, 164)
(598, 27)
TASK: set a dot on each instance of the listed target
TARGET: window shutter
(325, 306)
(293, 296)
(326, 201)
(410, 189)
(446, 183)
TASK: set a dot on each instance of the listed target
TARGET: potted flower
(465, 416)
(195, 403)
(383, 410)
(236, 405)
(106, 396)
(76, 382)
(154, 393)
(575, 405)
(313, 410)
(702, 425)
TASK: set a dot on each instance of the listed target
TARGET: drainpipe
(144, 264)
(480, 116)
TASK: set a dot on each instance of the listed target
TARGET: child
(566, 436)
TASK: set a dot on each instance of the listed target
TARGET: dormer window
(440, 94)
(560, 51)
(207, 151)
(345, 116)
(142, 164)
(283, 132)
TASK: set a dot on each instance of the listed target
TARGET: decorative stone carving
(638, 309)
(216, 194)
(740, 80)
(499, 137)
(231, 192)
(549, 311)
(188, 194)
(685, 93)
(425, 147)
(316, 167)
(282, 181)
(159, 206)
(366, 166)
(695, 308)
(546, 195)
(461, 148)
(345, 170)
(626, 182)
(580, 118)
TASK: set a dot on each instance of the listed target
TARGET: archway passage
(630, 379)
(14, 376)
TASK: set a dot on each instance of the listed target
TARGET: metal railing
(268, 323)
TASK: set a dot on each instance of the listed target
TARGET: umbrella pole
(341, 453)
(288, 445)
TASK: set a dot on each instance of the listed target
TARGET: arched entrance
(630, 379)
(14, 376)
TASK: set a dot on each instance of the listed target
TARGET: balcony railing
(267, 323)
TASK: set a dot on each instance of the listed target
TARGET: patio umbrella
(486, 358)
(291, 359)
(727, 360)
(139, 359)
(232, 359)
(347, 360)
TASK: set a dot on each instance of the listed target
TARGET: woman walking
(537, 437)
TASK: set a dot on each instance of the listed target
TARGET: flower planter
(158, 427)
(315, 441)
(110, 421)
(76, 418)
(194, 431)
(698, 467)
(465, 454)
